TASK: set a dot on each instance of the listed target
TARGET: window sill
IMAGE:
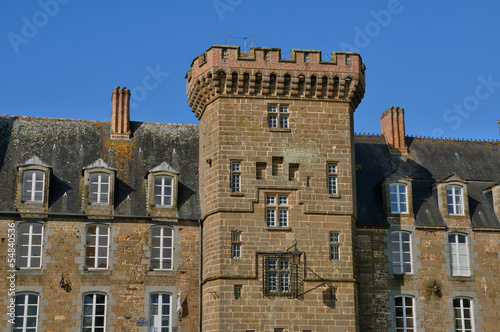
(461, 278)
(335, 196)
(30, 271)
(275, 228)
(404, 276)
(237, 194)
(281, 130)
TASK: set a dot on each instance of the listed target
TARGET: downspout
(200, 312)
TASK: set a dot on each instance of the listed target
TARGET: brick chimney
(392, 123)
(120, 113)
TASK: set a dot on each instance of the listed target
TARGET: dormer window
(163, 186)
(99, 188)
(99, 182)
(33, 185)
(397, 195)
(399, 198)
(162, 190)
(451, 192)
(454, 196)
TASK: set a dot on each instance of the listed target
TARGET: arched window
(160, 311)
(404, 307)
(94, 312)
(161, 248)
(97, 246)
(459, 254)
(27, 309)
(401, 252)
(463, 314)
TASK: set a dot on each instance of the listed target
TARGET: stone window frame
(402, 262)
(42, 304)
(334, 242)
(275, 110)
(417, 308)
(452, 180)
(332, 174)
(235, 175)
(415, 252)
(148, 290)
(98, 166)
(162, 170)
(236, 245)
(96, 257)
(386, 191)
(471, 242)
(33, 164)
(275, 206)
(78, 302)
(476, 309)
(81, 248)
(176, 260)
(456, 252)
(46, 245)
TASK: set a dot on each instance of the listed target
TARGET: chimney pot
(392, 123)
(120, 113)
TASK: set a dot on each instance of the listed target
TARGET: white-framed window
(235, 245)
(33, 186)
(97, 246)
(401, 252)
(163, 188)
(29, 247)
(404, 307)
(278, 116)
(399, 198)
(334, 246)
(277, 210)
(99, 188)
(235, 176)
(332, 178)
(463, 314)
(454, 199)
(26, 311)
(459, 254)
(94, 312)
(161, 248)
(160, 312)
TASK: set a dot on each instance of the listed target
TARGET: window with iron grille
(280, 276)
(238, 291)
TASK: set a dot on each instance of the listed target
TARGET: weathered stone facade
(394, 233)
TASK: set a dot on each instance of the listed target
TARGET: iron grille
(281, 278)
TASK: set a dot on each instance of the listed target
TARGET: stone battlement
(225, 70)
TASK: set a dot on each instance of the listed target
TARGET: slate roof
(428, 161)
(70, 145)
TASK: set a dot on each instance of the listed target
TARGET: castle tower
(276, 177)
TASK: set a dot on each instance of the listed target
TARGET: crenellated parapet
(226, 71)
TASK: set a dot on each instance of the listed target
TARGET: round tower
(276, 179)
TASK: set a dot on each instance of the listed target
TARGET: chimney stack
(120, 113)
(392, 123)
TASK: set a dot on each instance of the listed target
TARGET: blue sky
(438, 60)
